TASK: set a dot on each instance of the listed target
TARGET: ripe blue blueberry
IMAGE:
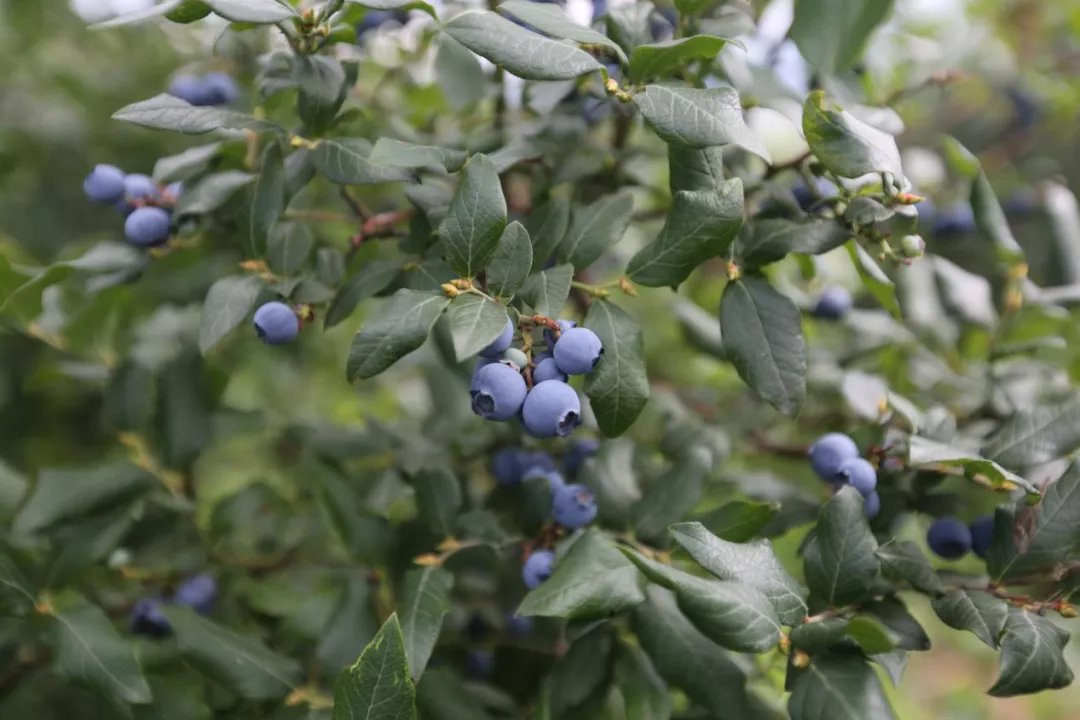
(140, 187)
(574, 506)
(834, 304)
(538, 568)
(198, 592)
(506, 466)
(375, 18)
(104, 184)
(221, 87)
(192, 89)
(859, 474)
(546, 369)
(577, 351)
(147, 618)
(276, 323)
(537, 459)
(578, 453)
(808, 199)
(518, 625)
(549, 336)
(479, 663)
(982, 533)
(553, 477)
(949, 538)
(147, 226)
(499, 345)
(872, 505)
(497, 392)
(955, 220)
(829, 452)
(551, 409)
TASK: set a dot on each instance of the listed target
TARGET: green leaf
(903, 561)
(630, 24)
(521, 52)
(595, 228)
(476, 219)
(1031, 656)
(820, 635)
(763, 339)
(906, 631)
(288, 247)
(665, 58)
(923, 452)
(593, 580)
(771, 239)
(512, 261)
(733, 615)
(1037, 435)
(188, 11)
(474, 322)
(212, 192)
(547, 227)
(138, 16)
(871, 635)
(552, 20)
(846, 145)
(838, 44)
(459, 74)
(400, 327)
(838, 686)
(350, 627)
(739, 520)
(396, 4)
(991, 221)
(378, 685)
(398, 153)
(323, 86)
(610, 474)
(261, 12)
(374, 277)
(62, 495)
(978, 612)
(346, 161)
(165, 112)
(547, 290)
(700, 225)
(442, 694)
(692, 168)
(1046, 535)
(668, 499)
(874, 278)
(87, 650)
(227, 304)
(17, 594)
(645, 694)
(618, 386)
(580, 673)
(842, 567)
(754, 564)
(186, 164)
(688, 659)
(438, 500)
(240, 663)
(424, 603)
(698, 118)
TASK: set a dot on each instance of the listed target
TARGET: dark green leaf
(700, 225)
(322, 83)
(843, 566)
(838, 686)
(476, 219)
(17, 594)
(512, 260)
(252, 11)
(645, 695)
(346, 161)
(547, 227)
(227, 304)
(754, 564)
(350, 627)
(212, 192)
(269, 200)
(906, 632)
(459, 74)
(923, 452)
(396, 4)
(165, 112)
(665, 58)
(377, 686)
(675, 493)
(903, 561)
(1031, 656)
(374, 277)
(547, 290)
(424, 603)
(401, 327)
(186, 164)
(618, 387)
(63, 495)
(474, 322)
(552, 20)
(438, 500)
(874, 278)
(772, 239)
(188, 11)
(978, 612)
(991, 221)
(739, 520)
(630, 24)
(692, 168)
(1036, 435)
(584, 668)
(442, 694)
(521, 52)
(871, 634)
(593, 580)
(397, 153)
(610, 474)
(698, 118)
(763, 339)
(838, 44)
(820, 635)
(288, 248)
(846, 145)
(595, 228)
(1046, 535)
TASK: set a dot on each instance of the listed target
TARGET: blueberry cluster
(198, 592)
(214, 88)
(835, 458)
(952, 539)
(145, 205)
(506, 385)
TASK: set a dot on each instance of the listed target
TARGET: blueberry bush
(398, 359)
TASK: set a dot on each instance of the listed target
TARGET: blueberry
(578, 453)
(140, 187)
(537, 459)
(574, 506)
(147, 618)
(808, 199)
(538, 568)
(546, 369)
(497, 392)
(949, 538)
(577, 351)
(506, 466)
(859, 474)
(479, 663)
(376, 18)
(499, 345)
(515, 359)
(554, 479)
(192, 90)
(834, 304)
(982, 532)
(829, 452)
(147, 226)
(551, 409)
(872, 505)
(518, 625)
(104, 184)
(955, 220)
(198, 592)
(276, 323)
(221, 87)
(549, 335)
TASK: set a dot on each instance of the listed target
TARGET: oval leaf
(227, 304)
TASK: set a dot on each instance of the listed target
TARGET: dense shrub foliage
(486, 362)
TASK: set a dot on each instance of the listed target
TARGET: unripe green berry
(912, 246)
(515, 357)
